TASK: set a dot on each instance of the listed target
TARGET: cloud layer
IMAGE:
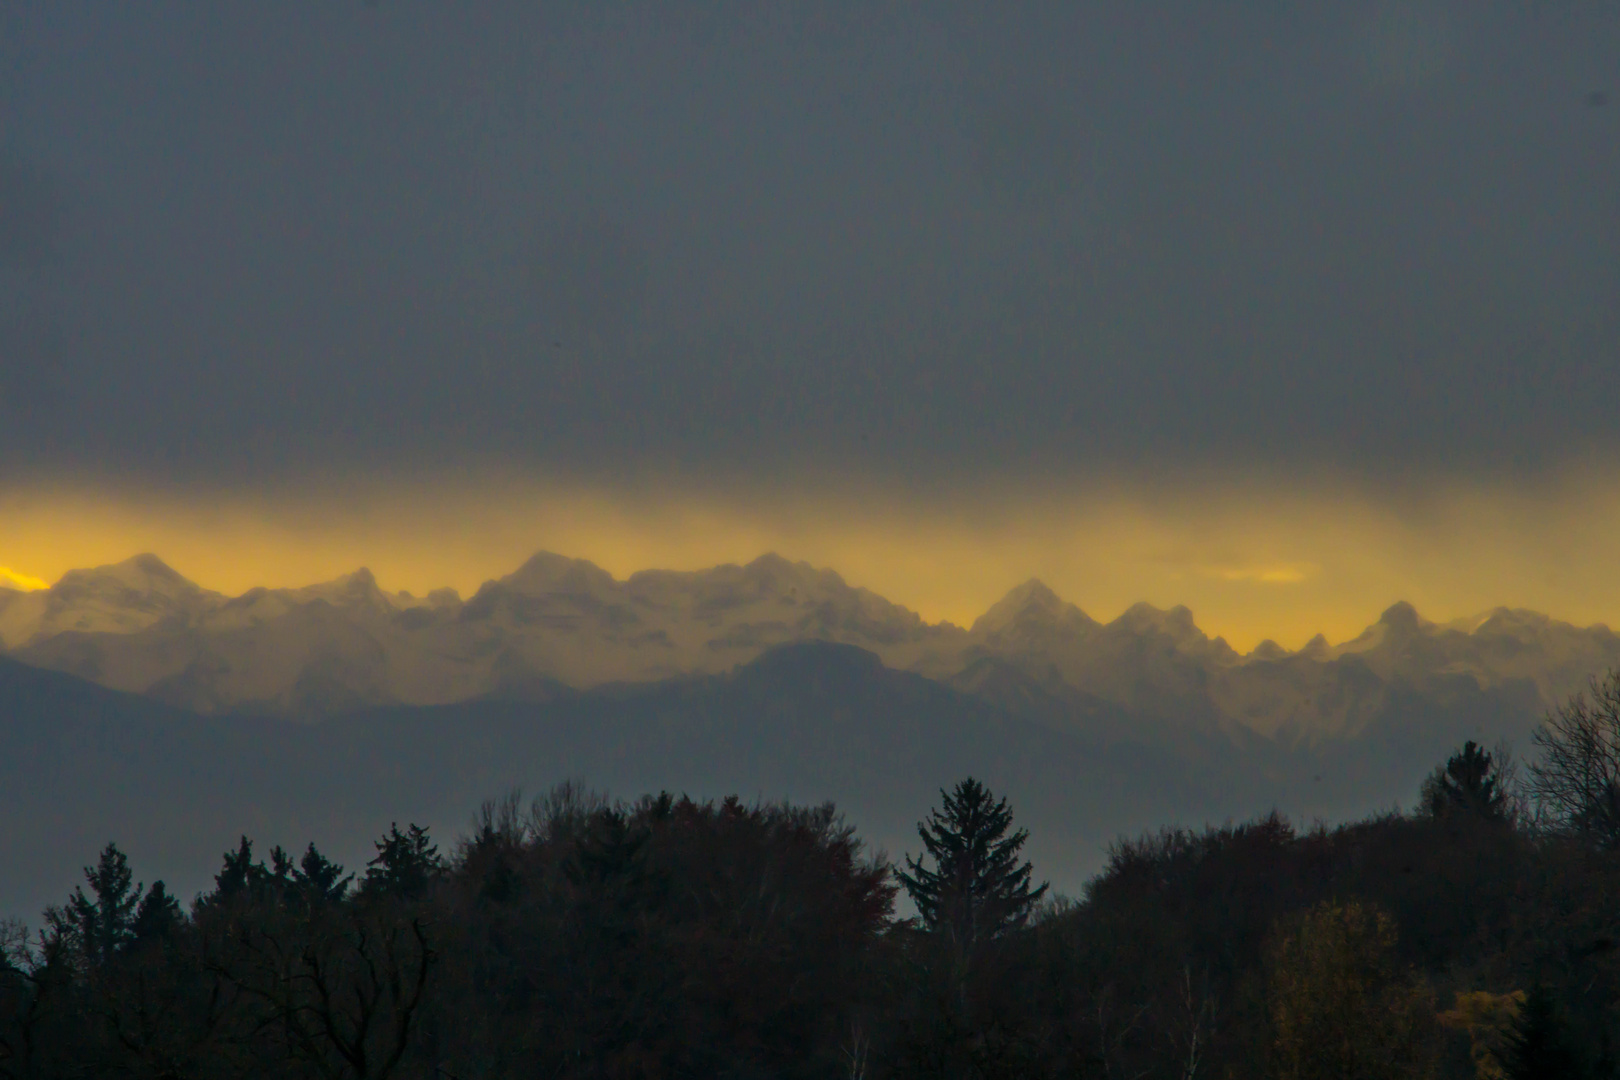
(253, 244)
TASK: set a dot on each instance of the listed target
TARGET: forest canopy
(578, 936)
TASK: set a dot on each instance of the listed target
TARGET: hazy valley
(328, 711)
(557, 623)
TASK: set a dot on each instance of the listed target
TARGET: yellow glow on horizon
(1270, 575)
(16, 579)
(1284, 559)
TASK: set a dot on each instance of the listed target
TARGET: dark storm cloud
(240, 241)
(29, 382)
(30, 217)
(31, 340)
(590, 281)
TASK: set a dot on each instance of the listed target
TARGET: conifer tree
(100, 924)
(1539, 1048)
(976, 889)
(239, 873)
(406, 864)
(320, 878)
(609, 853)
(1471, 781)
(281, 867)
(157, 915)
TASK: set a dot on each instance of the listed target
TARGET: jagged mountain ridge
(346, 644)
(559, 622)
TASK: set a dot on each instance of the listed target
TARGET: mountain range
(138, 707)
(560, 623)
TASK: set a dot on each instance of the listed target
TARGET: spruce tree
(976, 888)
(239, 873)
(100, 924)
(608, 854)
(319, 878)
(1540, 1047)
(406, 864)
(1470, 781)
(157, 915)
(281, 868)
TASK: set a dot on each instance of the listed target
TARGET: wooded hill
(574, 937)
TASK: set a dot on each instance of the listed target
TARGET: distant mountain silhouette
(558, 623)
(1331, 733)
(81, 765)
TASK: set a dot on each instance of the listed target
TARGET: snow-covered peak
(1399, 626)
(548, 572)
(143, 574)
(121, 598)
(1032, 610)
(1175, 623)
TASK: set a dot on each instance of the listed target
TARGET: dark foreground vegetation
(1476, 937)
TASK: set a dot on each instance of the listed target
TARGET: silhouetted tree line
(577, 937)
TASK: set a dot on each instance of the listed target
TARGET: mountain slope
(125, 598)
(558, 622)
(347, 644)
(81, 765)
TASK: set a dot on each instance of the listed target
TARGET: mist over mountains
(557, 622)
(137, 707)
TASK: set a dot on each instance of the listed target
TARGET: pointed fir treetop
(157, 915)
(976, 888)
(320, 878)
(1471, 780)
(239, 872)
(101, 923)
(406, 864)
(313, 877)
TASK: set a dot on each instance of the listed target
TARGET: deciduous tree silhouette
(337, 989)
(1340, 1009)
(1576, 783)
(668, 937)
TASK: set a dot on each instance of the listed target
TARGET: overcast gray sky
(238, 241)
